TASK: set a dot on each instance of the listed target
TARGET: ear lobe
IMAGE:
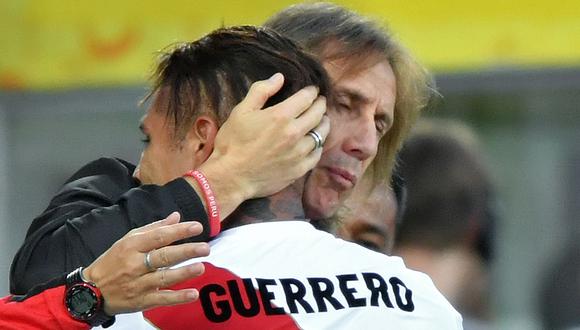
(203, 132)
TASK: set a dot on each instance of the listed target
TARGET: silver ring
(148, 262)
(317, 139)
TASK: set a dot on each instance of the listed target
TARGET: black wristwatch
(84, 301)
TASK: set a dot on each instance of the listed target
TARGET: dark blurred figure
(448, 224)
(370, 216)
(560, 293)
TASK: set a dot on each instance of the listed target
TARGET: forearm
(80, 229)
(227, 188)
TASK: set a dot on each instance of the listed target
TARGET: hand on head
(265, 150)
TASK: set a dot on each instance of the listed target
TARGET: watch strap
(100, 318)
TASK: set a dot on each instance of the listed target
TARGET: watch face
(81, 301)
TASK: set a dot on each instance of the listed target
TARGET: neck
(284, 205)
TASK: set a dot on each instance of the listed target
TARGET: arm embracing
(95, 208)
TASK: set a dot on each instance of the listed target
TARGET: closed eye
(146, 139)
(344, 106)
(368, 244)
(381, 127)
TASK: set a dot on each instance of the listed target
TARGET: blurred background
(72, 73)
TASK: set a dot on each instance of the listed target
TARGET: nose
(137, 173)
(363, 140)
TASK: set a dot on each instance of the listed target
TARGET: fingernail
(197, 268)
(312, 89)
(275, 77)
(192, 294)
(175, 214)
(202, 249)
(195, 226)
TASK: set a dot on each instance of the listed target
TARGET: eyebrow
(374, 229)
(358, 97)
(368, 228)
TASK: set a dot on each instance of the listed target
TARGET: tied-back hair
(336, 33)
(211, 75)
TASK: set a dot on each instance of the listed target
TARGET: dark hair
(400, 191)
(449, 190)
(335, 33)
(211, 75)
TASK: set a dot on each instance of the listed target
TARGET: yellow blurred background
(72, 73)
(66, 43)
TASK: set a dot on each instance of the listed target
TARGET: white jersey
(288, 275)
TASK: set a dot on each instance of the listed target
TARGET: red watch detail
(84, 301)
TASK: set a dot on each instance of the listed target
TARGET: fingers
(165, 235)
(260, 92)
(171, 219)
(307, 144)
(169, 297)
(312, 118)
(296, 104)
(306, 148)
(166, 277)
(172, 255)
(323, 128)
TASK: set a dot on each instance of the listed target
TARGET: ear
(201, 138)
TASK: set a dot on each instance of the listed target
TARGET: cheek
(157, 166)
(342, 129)
(333, 142)
(316, 181)
(337, 122)
(330, 142)
(320, 200)
(180, 162)
(173, 165)
(343, 232)
(143, 170)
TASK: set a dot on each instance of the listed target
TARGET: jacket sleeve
(96, 207)
(43, 311)
(42, 308)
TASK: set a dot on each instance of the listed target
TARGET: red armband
(213, 210)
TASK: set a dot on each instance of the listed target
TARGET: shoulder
(105, 166)
(413, 291)
(108, 177)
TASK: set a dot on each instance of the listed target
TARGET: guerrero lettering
(247, 297)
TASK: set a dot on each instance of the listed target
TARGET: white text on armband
(211, 198)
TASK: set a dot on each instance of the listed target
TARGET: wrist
(84, 300)
(229, 189)
(91, 274)
(86, 274)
